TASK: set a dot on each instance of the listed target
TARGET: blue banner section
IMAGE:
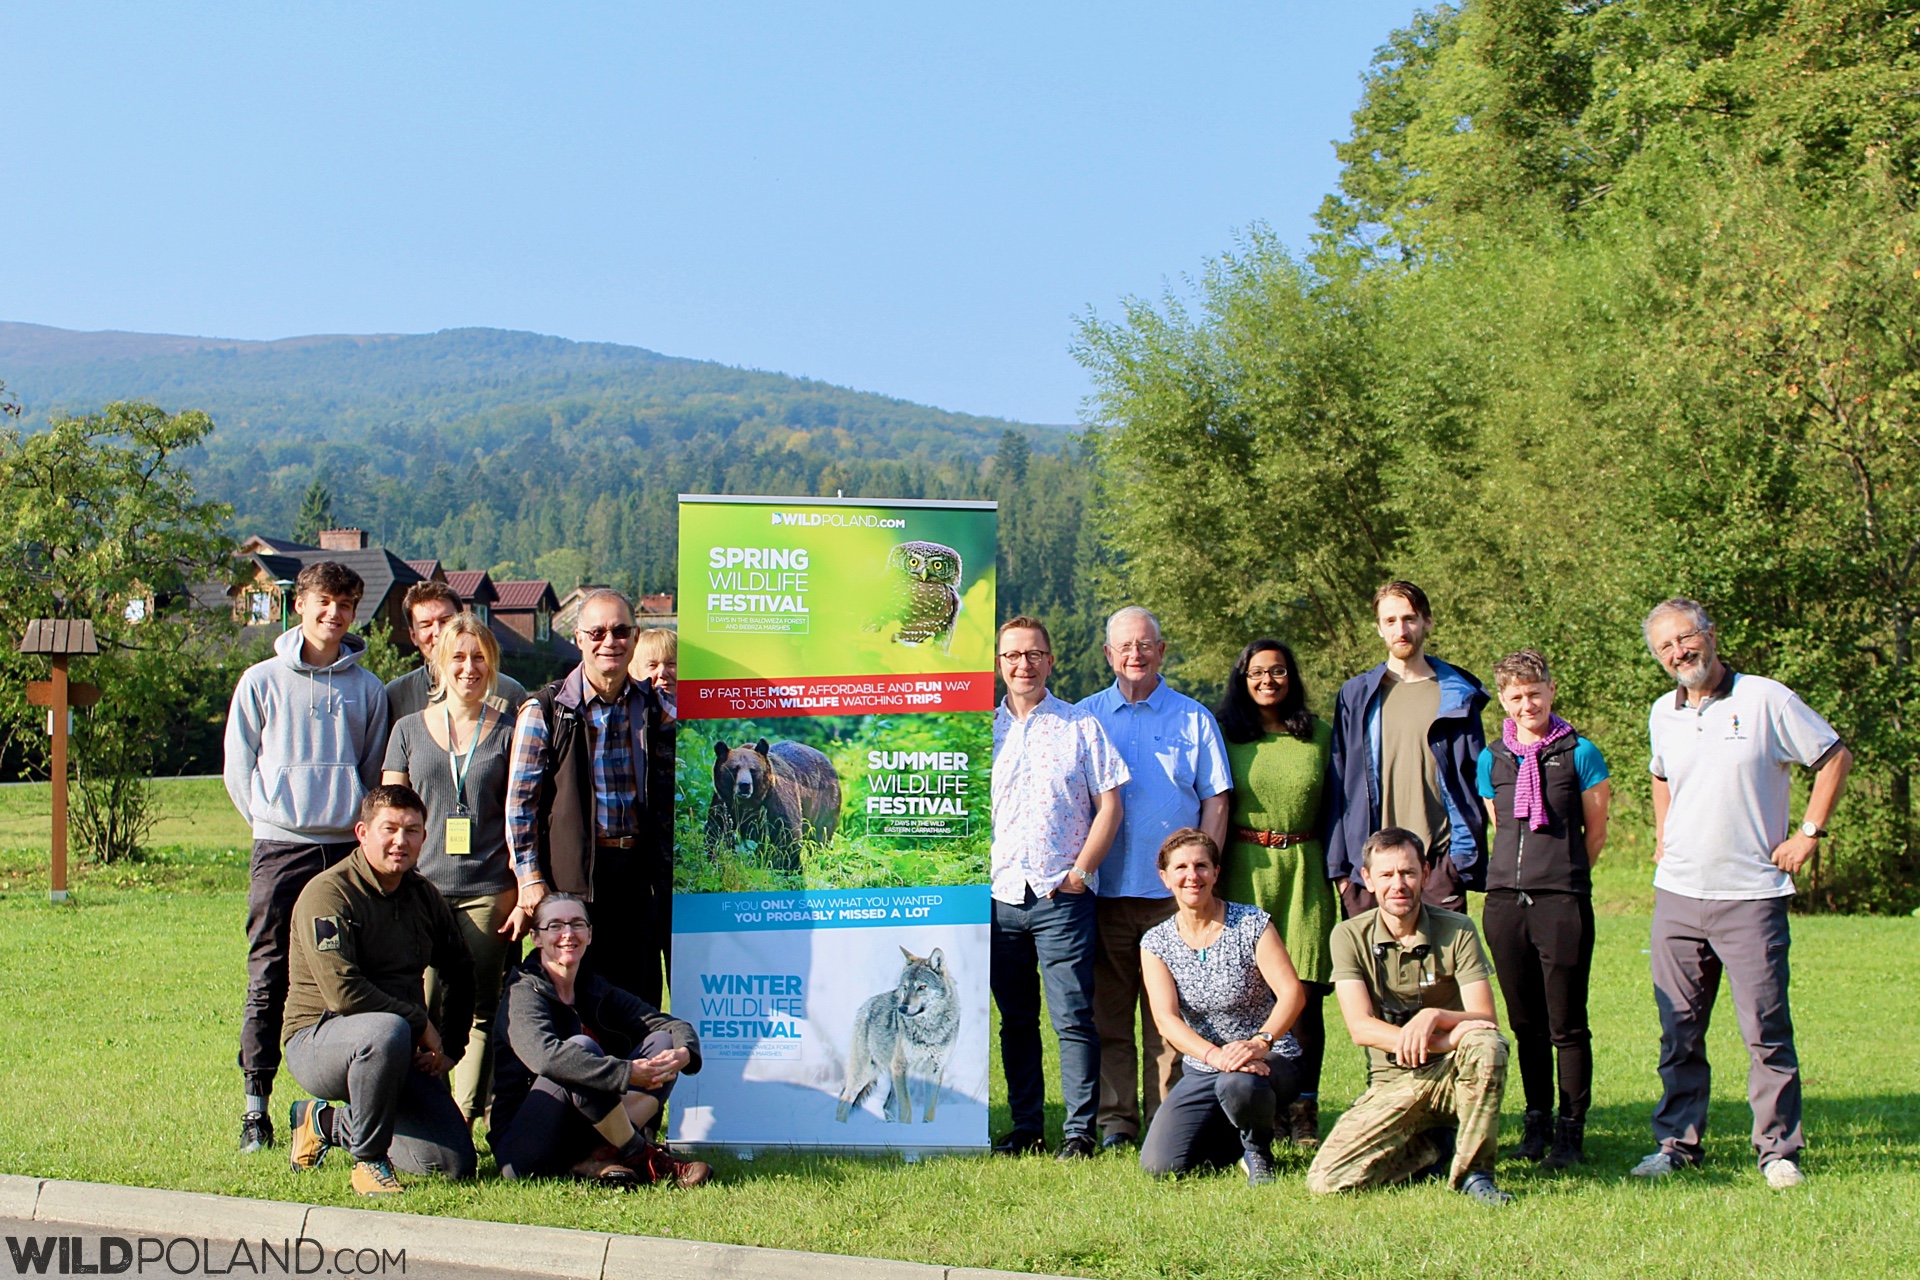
(829, 909)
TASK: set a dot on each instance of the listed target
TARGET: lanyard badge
(460, 823)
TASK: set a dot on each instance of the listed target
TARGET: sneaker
(375, 1178)
(1021, 1142)
(1480, 1187)
(1535, 1136)
(1658, 1165)
(1118, 1142)
(1303, 1123)
(1078, 1147)
(1259, 1167)
(1569, 1144)
(657, 1164)
(1782, 1174)
(309, 1145)
(256, 1132)
(603, 1166)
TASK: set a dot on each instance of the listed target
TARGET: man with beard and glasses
(1406, 743)
(1724, 746)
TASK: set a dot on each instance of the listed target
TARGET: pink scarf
(1527, 801)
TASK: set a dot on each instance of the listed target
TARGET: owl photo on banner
(926, 593)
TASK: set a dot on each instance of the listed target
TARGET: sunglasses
(619, 632)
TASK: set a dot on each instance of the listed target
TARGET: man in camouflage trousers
(1414, 987)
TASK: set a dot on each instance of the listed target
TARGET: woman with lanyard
(454, 753)
(1279, 752)
(1222, 991)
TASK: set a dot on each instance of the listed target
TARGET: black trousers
(279, 870)
(1211, 1118)
(1542, 948)
(1310, 1030)
(632, 929)
(553, 1129)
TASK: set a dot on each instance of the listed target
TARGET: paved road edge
(463, 1242)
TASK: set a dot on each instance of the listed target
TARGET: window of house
(262, 606)
(542, 625)
(480, 611)
(137, 609)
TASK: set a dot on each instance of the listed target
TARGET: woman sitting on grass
(584, 1068)
(1224, 993)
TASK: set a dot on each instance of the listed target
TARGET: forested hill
(529, 454)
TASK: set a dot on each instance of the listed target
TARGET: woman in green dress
(1275, 860)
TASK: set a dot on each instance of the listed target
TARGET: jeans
(553, 1129)
(1211, 1117)
(393, 1112)
(1694, 941)
(1542, 947)
(278, 872)
(1050, 939)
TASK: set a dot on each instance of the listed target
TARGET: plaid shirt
(615, 787)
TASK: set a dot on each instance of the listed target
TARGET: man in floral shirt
(1056, 809)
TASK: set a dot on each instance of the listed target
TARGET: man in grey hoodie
(305, 733)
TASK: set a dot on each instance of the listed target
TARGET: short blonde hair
(656, 644)
(466, 624)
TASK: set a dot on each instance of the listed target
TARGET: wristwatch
(1812, 832)
(1080, 875)
(1268, 1036)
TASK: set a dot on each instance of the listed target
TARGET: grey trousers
(393, 1112)
(1212, 1117)
(1694, 941)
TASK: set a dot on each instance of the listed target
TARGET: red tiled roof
(424, 568)
(525, 594)
(470, 584)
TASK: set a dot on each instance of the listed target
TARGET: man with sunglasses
(1056, 809)
(577, 798)
(1724, 747)
(1180, 778)
(1416, 991)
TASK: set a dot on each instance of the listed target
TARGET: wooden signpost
(60, 639)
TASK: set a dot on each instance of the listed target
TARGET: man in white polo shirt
(1724, 747)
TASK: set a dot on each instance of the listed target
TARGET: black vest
(565, 833)
(1554, 858)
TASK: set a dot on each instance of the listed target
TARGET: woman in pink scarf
(1546, 792)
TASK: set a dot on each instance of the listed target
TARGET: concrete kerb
(543, 1251)
(17, 1196)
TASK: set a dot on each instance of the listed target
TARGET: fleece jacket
(304, 743)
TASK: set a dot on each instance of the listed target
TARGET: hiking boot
(1479, 1186)
(375, 1178)
(1259, 1167)
(1303, 1123)
(1534, 1137)
(603, 1166)
(1569, 1144)
(657, 1164)
(309, 1144)
(256, 1132)
(1078, 1147)
(1659, 1165)
(1021, 1142)
(1782, 1174)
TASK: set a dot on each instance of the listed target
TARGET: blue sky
(905, 198)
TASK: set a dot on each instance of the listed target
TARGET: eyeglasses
(1268, 675)
(554, 928)
(1672, 646)
(1033, 656)
(1135, 646)
(619, 633)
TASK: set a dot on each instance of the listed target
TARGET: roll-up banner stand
(831, 830)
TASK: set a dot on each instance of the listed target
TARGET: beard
(1695, 675)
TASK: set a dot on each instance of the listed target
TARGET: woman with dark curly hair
(1274, 858)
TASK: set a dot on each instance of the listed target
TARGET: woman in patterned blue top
(1223, 991)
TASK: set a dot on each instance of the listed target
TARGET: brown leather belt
(1271, 839)
(616, 842)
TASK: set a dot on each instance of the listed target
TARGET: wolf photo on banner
(831, 824)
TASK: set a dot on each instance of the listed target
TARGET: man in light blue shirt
(1179, 778)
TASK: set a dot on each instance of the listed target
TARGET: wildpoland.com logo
(835, 520)
(187, 1256)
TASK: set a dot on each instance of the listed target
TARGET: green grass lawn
(118, 1017)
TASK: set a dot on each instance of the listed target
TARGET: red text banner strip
(834, 696)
